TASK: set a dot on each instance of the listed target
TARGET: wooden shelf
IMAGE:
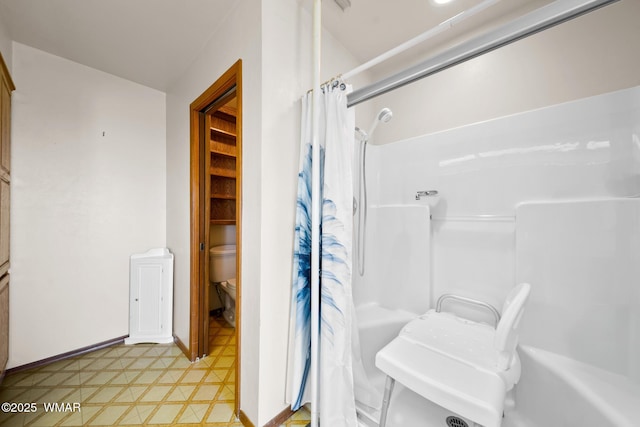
(218, 152)
(222, 167)
(223, 221)
(223, 196)
(224, 132)
(226, 173)
(222, 148)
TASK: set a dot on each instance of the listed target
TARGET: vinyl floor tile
(134, 385)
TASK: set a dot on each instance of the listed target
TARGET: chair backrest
(506, 338)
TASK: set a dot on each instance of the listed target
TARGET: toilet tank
(222, 263)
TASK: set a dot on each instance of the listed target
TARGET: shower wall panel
(475, 258)
(400, 261)
(582, 150)
(582, 261)
(397, 260)
(588, 148)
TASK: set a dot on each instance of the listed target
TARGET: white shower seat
(464, 366)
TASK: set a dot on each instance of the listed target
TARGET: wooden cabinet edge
(5, 73)
(4, 268)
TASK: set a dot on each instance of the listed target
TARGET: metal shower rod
(539, 20)
(440, 28)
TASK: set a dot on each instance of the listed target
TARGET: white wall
(238, 38)
(589, 55)
(274, 43)
(81, 202)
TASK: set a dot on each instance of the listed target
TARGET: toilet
(229, 313)
(222, 271)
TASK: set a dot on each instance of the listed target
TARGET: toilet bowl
(229, 286)
(229, 313)
(222, 272)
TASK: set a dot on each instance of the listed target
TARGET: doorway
(216, 207)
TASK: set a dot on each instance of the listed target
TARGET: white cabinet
(151, 297)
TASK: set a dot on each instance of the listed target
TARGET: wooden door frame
(199, 257)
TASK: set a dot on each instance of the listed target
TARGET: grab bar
(472, 301)
(476, 218)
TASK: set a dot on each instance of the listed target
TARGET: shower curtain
(336, 137)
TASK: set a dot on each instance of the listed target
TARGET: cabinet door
(5, 127)
(4, 322)
(146, 304)
(4, 225)
(5, 169)
(6, 87)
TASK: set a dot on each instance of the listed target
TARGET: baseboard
(182, 347)
(276, 421)
(280, 418)
(246, 422)
(67, 355)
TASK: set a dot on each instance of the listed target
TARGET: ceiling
(152, 42)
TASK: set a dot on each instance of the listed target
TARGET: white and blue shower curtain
(336, 137)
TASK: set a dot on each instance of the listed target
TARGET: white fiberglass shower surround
(548, 197)
(482, 233)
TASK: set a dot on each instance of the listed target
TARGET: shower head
(383, 116)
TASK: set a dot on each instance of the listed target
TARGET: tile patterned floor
(140, 385)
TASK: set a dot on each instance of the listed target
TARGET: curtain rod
(539, 20)
(441, 27)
